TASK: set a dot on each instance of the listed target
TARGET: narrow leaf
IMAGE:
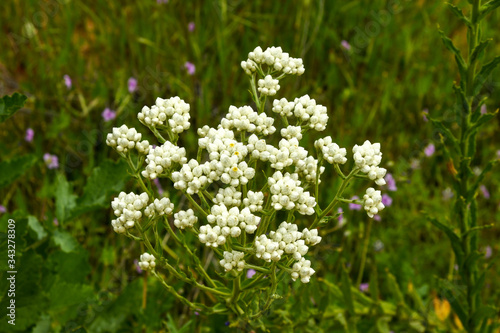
(479, 50)
(10, 104)
(484, 73)
(65, 199)
(452, 236)
(462, 67)
(483, 119)
(346, 290)
(480, 179)
(446, 133)
(452, 297)
(458, 13)
(488, 8)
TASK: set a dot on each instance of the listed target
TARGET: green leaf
(15, 168)
(65, 199)
(346, 290)
(35, 225)
(10, 104)
(484, 311)
(488, 8)
(453, 297)
(105, 180)
(458, 13)
(484, 73)
(446, 133)
(453, 237)
(462, 66)
(483, 119)
(394, 288)
(479, 50)
(64, 240)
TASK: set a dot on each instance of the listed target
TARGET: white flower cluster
(254, 201)
(287, 239)
(305, 110)
(233, 220)
(331, 151)
(302, 269)
(259, 149)
(173, 110)
(287, 193)
(159, 208)
(308, 169)
(268, 86)
(246, 119)
(228, 196)
(127, 208)
(275, 58)
(161, 158)
(123, 138)
(292, 132)
(233, 259)
(185, 219)
(147, 261)
(367, 158)
(373, 202)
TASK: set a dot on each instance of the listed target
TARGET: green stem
(366, 242)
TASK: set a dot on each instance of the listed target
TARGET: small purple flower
(429, 150)
(425, 113)
(484, 192)
(51, 161)
(364, 287)
(190, 67)
(157, 183)
(226, 323)
(191, 26)
(386, 200)
(161, 1)
(250, 273)
(341, 218)
(483, 109)
(56, 222)
(354, 206)
(30, 134)
(391, 182)
(2, 209)
(345, 44)
(377, 218)
(447, 194)
(488, 252)
(108, 114)
(196, 313)
(132, 85)
(137, 267)
(67, 81)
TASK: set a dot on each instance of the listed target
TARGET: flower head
(190, 67)
(483, 109)
(355, 206)
(29, 135)
(391, 182)
(429, 150)
(425, 113)
(51, 161)
(2, 209)
(67, 81)
(191, 26)
(386, 200)
(484, 192)
(137, 267)
(132, 85)
(108, 114)
(364, 287)
(488, 252)
(345, 44)
(250, 273)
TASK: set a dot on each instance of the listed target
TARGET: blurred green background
(79, 275)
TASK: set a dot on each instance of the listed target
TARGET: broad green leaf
(10, 104)
(65, 241)
(462, 66)
(484, 73)
(35, 225)
(453, 237)
(458, 13)
(63, 294)
(15, 168)
(488, 8)
(65, 199)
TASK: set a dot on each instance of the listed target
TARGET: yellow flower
(442, 308)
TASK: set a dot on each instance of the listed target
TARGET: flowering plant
(250, 195)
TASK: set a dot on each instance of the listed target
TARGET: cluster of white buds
(292, 132)
(228, 196)
(233, 220)
(289, 152)
(233, 259)
(288, 240)
(268, 86)
(373, 202)
(185, 219)
(192, 177)
(254, 201)
(147, 261)
(287, 193)
(127, 208)
(308, 111)
(308, 169)
(246, 119)
(367, 158)
(259, 149)
(159, 208)
(302, 269)
(123, 138)
(275, 58)
(211, 236)
(283, 107)
(173, 110)
(161, 158)
(331, 151)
